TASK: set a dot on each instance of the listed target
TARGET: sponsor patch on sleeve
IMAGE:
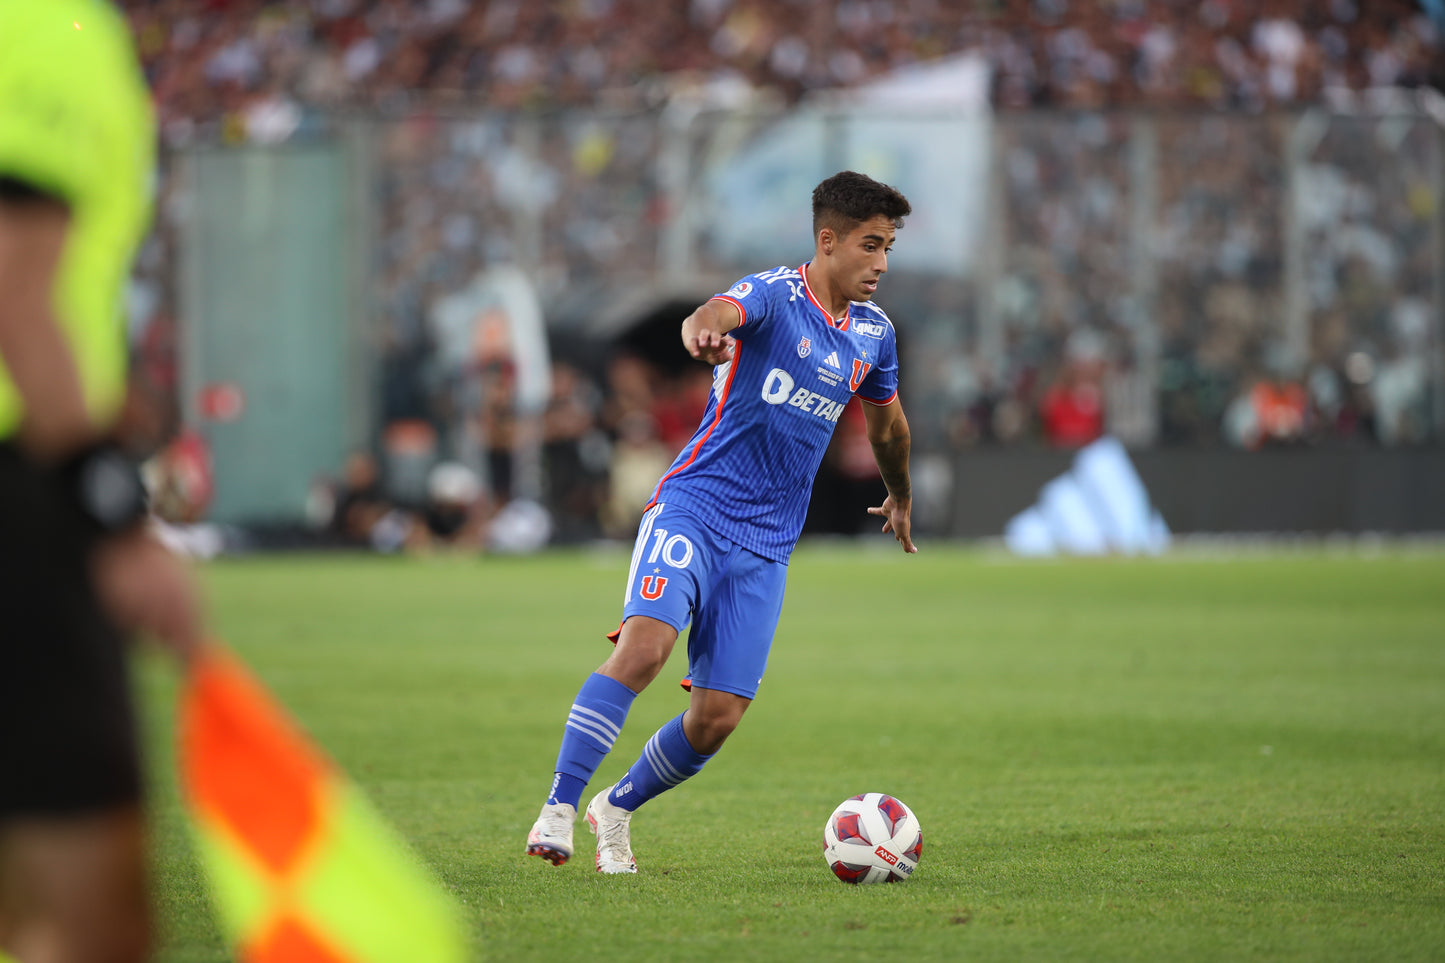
(741, 290)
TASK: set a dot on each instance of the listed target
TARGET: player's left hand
(896, 519)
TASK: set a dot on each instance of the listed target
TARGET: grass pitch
(1187, 758)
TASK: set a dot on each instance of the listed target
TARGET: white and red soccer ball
(872, 838)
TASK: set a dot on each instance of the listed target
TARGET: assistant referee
(78, 568)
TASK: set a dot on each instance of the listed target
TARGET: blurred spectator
(1281, 410)
(456, 511)
(575, 453)
(497, 419)
(679, 405)
(409, 451)
(1071, 411)
(1400, 395)
(639, 459)
(1272, 411)
(181, 479)
(631, 398)
(359, 501)
(365, 513)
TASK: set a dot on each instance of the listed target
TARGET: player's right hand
(710, 346)
(145, 588)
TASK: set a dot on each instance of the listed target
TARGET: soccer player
(791, 347)
(77, 567)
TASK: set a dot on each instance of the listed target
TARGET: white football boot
(551, 835)
(613, 827)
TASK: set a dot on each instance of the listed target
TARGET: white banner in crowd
(1097, 507)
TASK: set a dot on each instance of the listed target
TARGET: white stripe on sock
(661, 765)
(583, 726)
(597, 718)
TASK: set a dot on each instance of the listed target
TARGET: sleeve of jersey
(880, 385)
(752, 299)
(49, 138)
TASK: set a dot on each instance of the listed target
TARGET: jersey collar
(840, 323)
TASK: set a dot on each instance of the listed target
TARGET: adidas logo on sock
(832, 359)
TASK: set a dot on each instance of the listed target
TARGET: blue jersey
(748, 470)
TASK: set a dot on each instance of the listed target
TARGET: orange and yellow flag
(302, 869)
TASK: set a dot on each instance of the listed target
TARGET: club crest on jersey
(652, 586)
(805, 347)
(860, 371)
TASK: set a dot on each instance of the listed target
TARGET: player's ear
(827, 240)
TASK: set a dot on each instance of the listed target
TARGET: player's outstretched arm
(888, 434)
(704, 333)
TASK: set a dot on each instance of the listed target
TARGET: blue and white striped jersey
(748, 470)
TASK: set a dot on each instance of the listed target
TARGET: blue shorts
(683, 572)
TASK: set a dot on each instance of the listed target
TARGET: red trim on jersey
(882, 404)
(840, 323)
(716, 417)
(742, 311)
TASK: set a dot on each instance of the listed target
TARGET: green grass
(1176, 759)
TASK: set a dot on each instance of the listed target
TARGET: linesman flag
(302, 869)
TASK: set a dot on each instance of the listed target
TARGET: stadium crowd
(1214, 195)
(1147, 170)
(255, 67)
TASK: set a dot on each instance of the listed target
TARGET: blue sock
(667, 759)
(592, 727)
(566, 789)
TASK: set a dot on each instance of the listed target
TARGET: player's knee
(708, 727)
(641, 652)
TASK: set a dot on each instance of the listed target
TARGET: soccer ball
(872, 838)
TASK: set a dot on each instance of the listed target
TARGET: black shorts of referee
(67, 725)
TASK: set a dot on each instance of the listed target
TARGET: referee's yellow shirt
(76, 122)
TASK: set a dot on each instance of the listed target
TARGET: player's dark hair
(849, 198)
